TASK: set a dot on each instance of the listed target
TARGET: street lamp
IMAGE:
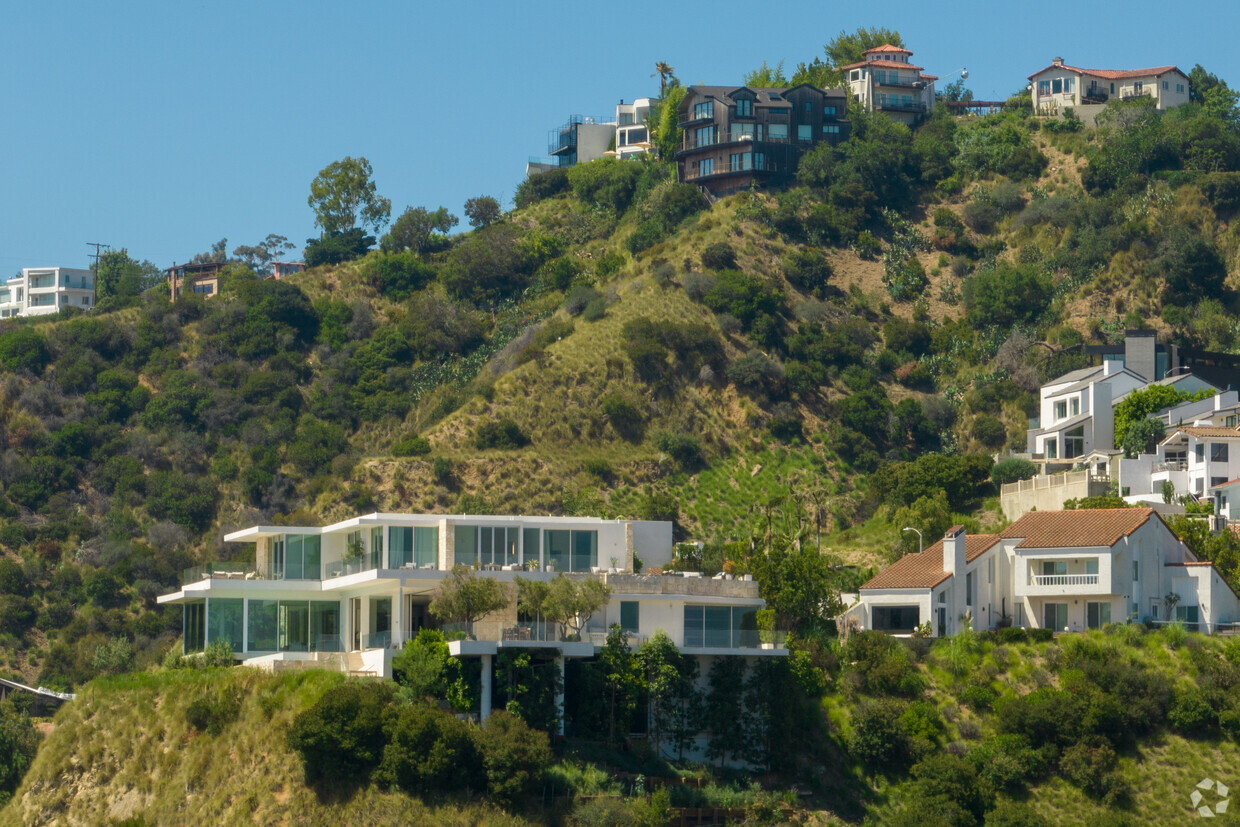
(919, 540)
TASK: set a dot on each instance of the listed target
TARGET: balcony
(1065, 579)
(1172, 465)
(901, 106)
(220, 570)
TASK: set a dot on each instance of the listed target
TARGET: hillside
(1111, 728)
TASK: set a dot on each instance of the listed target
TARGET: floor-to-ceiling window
(225, 620)
(1055, 616)
(325, 626)
(530, 544)
(263, 625)
(380, 623)
(376, 548)
(722, 627)
(465, 547)
(497, 546)
(294, 626)
(400, 546)
(194, 626)
(296, 557)
(426, 547)
(571, 550)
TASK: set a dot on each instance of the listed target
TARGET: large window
(426, 547)
(296, 557)
(325, 630)
(1074, 442)
(225, 621)
(1097, 615)
(1061, 410)
(744, 108)
(194, 626)
(465, 549)
(571, 550)
(530, 544)
(400, 546)
(1055, 616)
(262, 626)
(777, 131)
(741, 131)
(497, 546)
(706, 166)
(1189, 616)
(376, 548)
(805, 132)
(721, 627)
(1052, 449)
(704, 136)
(899, 618)
(629, 616)
(1044, 87)
(1218, 452)
(705, 109)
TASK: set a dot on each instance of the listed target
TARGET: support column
(484, 708)
(559, 695)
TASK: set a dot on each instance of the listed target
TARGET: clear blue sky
(165, 126)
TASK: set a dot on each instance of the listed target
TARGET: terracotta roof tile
(925, 570)
(1114, 74)
(883, 64)
(887, 47)
(1207, 432)
(1070, 529)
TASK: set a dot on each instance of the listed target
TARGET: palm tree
(664, 71)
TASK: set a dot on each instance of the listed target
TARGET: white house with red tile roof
(1059, 86)
(1064, 570)
(888, 81)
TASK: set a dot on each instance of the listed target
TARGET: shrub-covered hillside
(838, 359)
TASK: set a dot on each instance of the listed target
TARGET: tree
(850, 48)
(1007, 296)
(724, 708)
(344, 196)
(118, 275)
(218, 254)
(800, 585)
(1143, 436)
(259, 256)
(571, 602)
(955, 91)
(767, 77)
(464, 597)
(482, 211)
(341, 738)
(665, 72)
(1141, 404)
(1190, 266)
(514, 755)
(674, 701)
(666, 132)
(19, 741)
(621, 677)
(420, 230)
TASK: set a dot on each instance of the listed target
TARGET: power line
(97, 245)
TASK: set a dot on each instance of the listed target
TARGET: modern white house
(1086, 91)
(41, 291)
(1063, 570)
(348, 595)
(632, 129)
(887, 80)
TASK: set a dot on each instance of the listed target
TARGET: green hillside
(815, 366)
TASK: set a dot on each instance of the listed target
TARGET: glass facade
(293, 626)
(262, 625)
(465, 549)
(417, 547)
(376, 548)
(721, 627)
(225, 621)
(194, 625)
(530, 544)
(296, 557)
(497, 546)
(400, 547)
(570, 550)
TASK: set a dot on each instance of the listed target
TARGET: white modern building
(1086, 91)
(40, 291)
(1062, 570)
(632, 128)
(348, 595)
(887, 80)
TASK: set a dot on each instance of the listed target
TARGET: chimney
(953, 551)
(1057, 61)
(1103, 412)
(1139, 349)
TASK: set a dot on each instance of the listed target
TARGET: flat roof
(380, 518)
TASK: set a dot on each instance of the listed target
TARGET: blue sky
(163, 127)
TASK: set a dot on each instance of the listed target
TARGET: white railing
(1172, 465)
(1065, 579)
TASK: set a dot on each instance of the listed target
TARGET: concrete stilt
(559, 696)
(484, 710)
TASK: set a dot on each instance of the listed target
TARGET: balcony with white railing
(1089, 575)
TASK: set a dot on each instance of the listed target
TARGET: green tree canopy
(464, 597)
(118, 275)
(846, 48)
(767, 77)
(343, 196)
(1140, 404)
(419, 230)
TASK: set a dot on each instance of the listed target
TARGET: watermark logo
(1220, 798)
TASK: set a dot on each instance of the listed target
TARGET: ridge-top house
(736, 137)
(1086, 91)
(348, 595)
(887, 81)
(1061, 570)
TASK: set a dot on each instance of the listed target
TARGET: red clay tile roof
(1113, 74)
(1071, 529)
(925, 570)
(887, 47)
(883, 64)
(1207, 432)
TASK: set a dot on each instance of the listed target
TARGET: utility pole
(98, 247)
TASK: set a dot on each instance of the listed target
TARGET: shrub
(867, 246)
(338, 247)
(441, 470)
(684, 449)
(989, 431)
(757, 373)
(1040, 635)
(411, 446)
(1091, 767)
(1006, 761)
(515, 757)
(1011, 634)
(607, 183)
(579, 299)
(908, 337)
(501, 433)
(595, 310)
(1006, 296)
(624, 415)
(212, 715)
(341, 737)
(428, 751)
(541, 186)
(879, 739)
(719, 256)
(397, 276)
(219, 653)
(1012, 469)
(880, 665)
(979, 697)
(807, 270)
(23, 348)
(12, 579)
(647, 234)
(697, 285)
(598, 467)
(1191, 713)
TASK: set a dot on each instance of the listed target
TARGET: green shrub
(1006, 761)
(23, 349)
(989, 431)
(719, 256)
(879, 739)
(807, 270)
(1012, 469)
(595, 310)
(514, 755)
(503, 434)
(647, 234)
(219, 653)
(607, 183)
(1191, 713)
(12, 579)
(684, 449)
(979, 697)
(541, 186)
(579, 299)
(397, 276)
(411, 446)
(1091, 767)
(867, 246)
(441, 470)
(1040, 635)
(212, 715)
(880, 665)
(625, 416)
(341, 738)
(598, 467)
(1006, 296)
(428, 752)
(1011, 634)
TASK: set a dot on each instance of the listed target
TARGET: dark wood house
(736, 137)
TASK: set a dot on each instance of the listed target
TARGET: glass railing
(379, 640)
(328, 643)
(220, 570)
(735, 639)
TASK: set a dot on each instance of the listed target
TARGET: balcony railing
(900, 106)
(220, 570)
(692, 142)
(1172, 465)
(1065, 579)
(735, 639)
